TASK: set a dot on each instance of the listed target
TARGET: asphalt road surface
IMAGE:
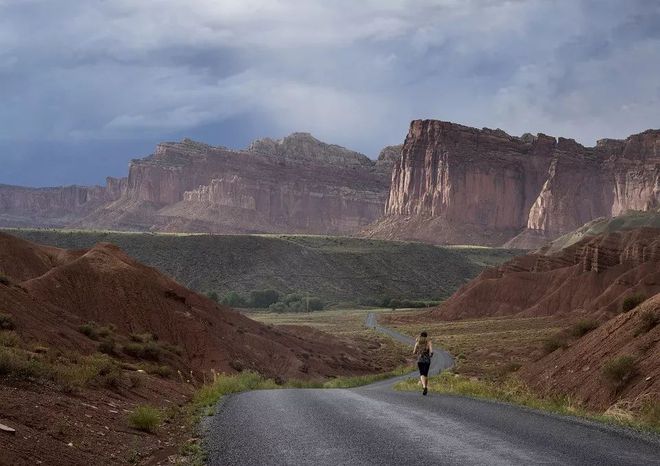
(375, 425)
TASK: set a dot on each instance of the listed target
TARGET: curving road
(441, 359)
(375, 425)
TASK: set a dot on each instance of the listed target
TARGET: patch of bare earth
(90, 427)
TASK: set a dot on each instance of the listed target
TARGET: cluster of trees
(393, 303)
(272, 300)
(275, 301)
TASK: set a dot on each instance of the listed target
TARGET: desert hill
(599, 226)
(90, 336)
(50, 293)
(618, 360)
(603, 283)
(592, 277)
(456, 184)
(335, 269)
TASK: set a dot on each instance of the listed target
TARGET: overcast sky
(86, 85)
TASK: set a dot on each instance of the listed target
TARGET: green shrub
(553, 343)
(175, 349)
(145, 418)
(583, 327)
(650, 413)
(18, 365)
(296, 306)
(292, 298)
(278, 307)
(88, 330)
(133, 349)
(237, 365)
(261, 299)
(618, 371)
(632, 301)
(136, 379)
(95, 370)
(159, 370)
(233, 299)
(107, 346)
(96, 332)
(506, 369)
(6, 322)
(296, 302)
(208, 395)
(141, 337)
(213, 296)
(648, 320)
(315, 304)
(9, 339)
(149, 350)
(103, 332)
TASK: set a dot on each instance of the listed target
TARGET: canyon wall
(52, 207)
(448, 183)
(294, 185)
(456, 184)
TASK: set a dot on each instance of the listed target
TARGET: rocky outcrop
(456, 184)
(52, 207)
(628, 221)
(592, 276)
(608, 180)
(388, 157)
(297, 185)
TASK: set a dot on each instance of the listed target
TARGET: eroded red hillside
(590, 277)
(580, 369)
(69, 404)
(53, 292)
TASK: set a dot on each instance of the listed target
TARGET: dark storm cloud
(87, 85)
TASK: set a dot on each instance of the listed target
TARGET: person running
(424, 350)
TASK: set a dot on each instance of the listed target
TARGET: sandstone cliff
(297, 185)
(456, 184)
(52, 207)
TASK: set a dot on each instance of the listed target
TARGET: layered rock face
(456, 184)
(592, 277)
(52, 207)
(297, 184)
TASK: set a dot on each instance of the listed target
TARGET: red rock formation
(592, 276)
(58, 206)
(297, 184)
(455, 184)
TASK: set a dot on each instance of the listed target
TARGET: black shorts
(424, 368)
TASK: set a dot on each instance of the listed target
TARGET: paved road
(441, 359)
(375, 425)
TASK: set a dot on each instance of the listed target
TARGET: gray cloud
(84, 75)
